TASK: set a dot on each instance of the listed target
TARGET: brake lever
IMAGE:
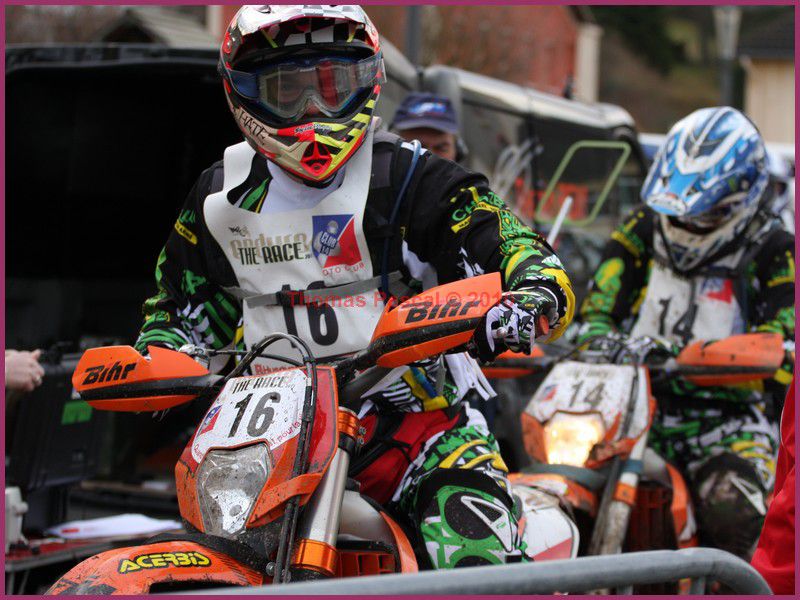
(198, 353)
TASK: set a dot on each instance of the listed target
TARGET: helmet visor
(288, 89)
(713, 218)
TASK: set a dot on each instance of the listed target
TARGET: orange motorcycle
(262, 484)
(586, 428)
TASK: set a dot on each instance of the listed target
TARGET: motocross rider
(703, 259)
(315, 198)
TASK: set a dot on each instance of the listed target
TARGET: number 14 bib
(702, 308)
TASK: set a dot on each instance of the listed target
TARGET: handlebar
(657, 364)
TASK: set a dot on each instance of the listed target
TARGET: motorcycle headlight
(228, 484)
(568, 438)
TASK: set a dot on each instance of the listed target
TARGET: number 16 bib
(276, 254)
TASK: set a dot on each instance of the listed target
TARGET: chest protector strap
(416, 153)
(311, 296)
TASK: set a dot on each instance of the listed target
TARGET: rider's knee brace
(730, 501)
(464, 518)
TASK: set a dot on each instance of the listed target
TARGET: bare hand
(23, 371)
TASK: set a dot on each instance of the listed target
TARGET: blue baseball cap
(426, 110)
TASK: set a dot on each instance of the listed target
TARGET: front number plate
(266, 408)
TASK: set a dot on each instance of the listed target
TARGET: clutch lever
(353, 390)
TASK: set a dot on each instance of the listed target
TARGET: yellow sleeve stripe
(515, 259)
(626, 243)
(564, 283)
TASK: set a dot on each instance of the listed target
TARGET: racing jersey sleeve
(618, 286)
(772, 279)
(770, 287)
(460, 226)
(191, 305)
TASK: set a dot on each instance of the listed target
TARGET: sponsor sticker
(334, 240)
(185, 233)
(160, 560)
(101, 373)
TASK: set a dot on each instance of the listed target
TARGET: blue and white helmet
(706, 183)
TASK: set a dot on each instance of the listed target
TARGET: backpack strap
(416, 153)
(318, 295)
(217, 179)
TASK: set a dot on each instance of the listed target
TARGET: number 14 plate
(577, 387)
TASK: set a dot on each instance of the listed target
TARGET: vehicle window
(589, 175)
(625, 193)
(500, 146)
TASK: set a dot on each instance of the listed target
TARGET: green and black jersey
(449, 219)
(763, 284)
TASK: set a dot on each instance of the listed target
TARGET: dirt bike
(262, 485)
(586, 428)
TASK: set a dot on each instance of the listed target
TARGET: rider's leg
(730, 503)
(457, 496)
(729, 457)
(731, 486)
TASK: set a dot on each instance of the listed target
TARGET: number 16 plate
(267, 408)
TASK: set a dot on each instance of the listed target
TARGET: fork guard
(135, 570)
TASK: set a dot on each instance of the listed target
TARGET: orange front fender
(135, 570)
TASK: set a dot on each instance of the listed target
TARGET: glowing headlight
(228, 484)
(569, 438)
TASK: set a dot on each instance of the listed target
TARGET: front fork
(315, 551)
(614, 512)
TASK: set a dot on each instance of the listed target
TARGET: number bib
(267, 408)
(666, 309)
(296, 250)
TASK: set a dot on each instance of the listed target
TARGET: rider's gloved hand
(645, 349)
(198, 353)
(616, 347)
(514, 323)
(604, 346)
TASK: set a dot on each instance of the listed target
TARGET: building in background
(658, 62)
(179, 28)
(554, 49)
(767, 56)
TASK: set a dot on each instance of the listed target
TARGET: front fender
(136, 569)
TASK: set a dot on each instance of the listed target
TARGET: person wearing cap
(431, 119)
